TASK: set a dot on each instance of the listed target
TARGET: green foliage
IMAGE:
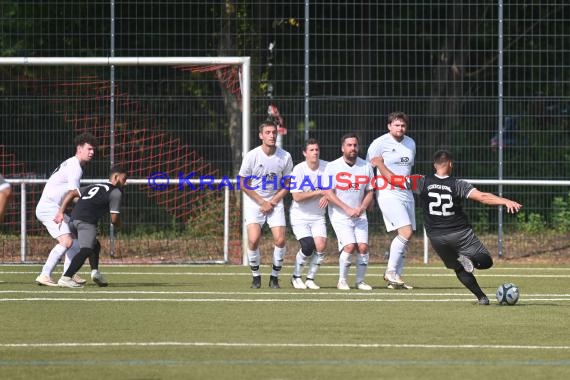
(532, 222)
(561, 214)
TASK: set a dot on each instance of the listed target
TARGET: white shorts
(46, 213)
(397, 213)
(252, 214)
(350, 231)
(317, 228)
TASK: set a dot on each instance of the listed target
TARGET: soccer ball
(507, 294)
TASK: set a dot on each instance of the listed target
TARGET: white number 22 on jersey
(441, 204)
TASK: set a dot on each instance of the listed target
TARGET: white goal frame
(245, 89)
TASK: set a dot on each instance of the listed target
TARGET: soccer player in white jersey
(349, 194)
(265, 179)
(307, 214)
(63, 180)
(396, 200)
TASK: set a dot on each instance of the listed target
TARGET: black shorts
(451, 245)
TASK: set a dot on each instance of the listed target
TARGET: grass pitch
(197, 322)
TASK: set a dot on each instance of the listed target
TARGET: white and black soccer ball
(508, 294)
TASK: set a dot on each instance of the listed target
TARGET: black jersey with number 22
(441, 202)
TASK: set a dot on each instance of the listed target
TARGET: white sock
(278, 254)
(300, 261)
(70, 254)
(400, 265)
(397, 249)
(254, 258)
(361, 266)
(53, 259)
(316, 260)
(344, 262)
(94, 272)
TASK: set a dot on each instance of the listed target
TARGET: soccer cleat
(363, 286)
(310, 284)
(78, 279)
(44, 279)
(99, 279)
(274, 282)
(342, 285)
(67, 282)
(297, 283)
(406, 286)
(393, 278)
(483, 300)
(466, 263)
(256, 282)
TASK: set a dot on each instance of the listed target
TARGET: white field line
(258, 300)
(382, 293)
(283, 345)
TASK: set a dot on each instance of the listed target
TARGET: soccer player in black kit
(448, 229)
(94, 201)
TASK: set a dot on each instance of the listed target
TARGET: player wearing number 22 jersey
(447, 226)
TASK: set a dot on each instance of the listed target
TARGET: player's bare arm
(282, 193)
(367, 201)
(69, 198)
(391, 178)
(245, 185)
(490, 199)
(335, 200)
(306, 195)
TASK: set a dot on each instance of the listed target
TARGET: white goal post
(245, 92)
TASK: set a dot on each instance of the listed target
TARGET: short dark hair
(350, 135)
(267, 123)
(85, 138)
(398, 115)
(310, 141)
(442, 156)
(117, 169)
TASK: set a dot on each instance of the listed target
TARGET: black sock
(94, 257)
(469, 281)
(77, 261)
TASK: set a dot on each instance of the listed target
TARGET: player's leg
(253, 254)
(319, 231)
(254, 220)
(447, 248)
(71, 252)
(307, 244)
(347, 245)
(302, 233)
(59, 232)
(398, 216)
(86, 239)
(96, 275)
(279, 250)
(362, 256)
(276, 221)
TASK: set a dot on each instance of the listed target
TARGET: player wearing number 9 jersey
(447, 226)
(94, 202)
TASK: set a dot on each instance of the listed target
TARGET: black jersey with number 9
(95, 201)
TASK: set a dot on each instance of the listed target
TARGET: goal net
(177, 120)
